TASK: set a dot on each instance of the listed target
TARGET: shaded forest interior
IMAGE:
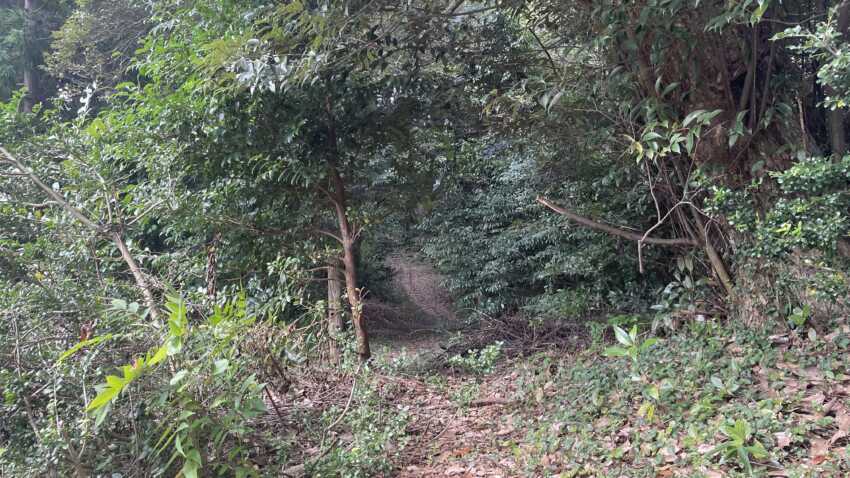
(424, 238)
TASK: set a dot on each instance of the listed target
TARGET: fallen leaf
(556, 428)
(455, 470)
(813, 374)
(460, 452)
(779, 338)
(787, 366)
(819, 451)
(842, 419)
(783, 439)
(664, 472)
(705, 448)
(816, 399)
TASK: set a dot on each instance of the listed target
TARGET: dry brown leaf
(787, 366)
(664, 472)
(705, 448)
(815, 399)
(813, 374)
(455, 470)
(831, 405)
(783, 439)
(460, 452)
(764, 386)
(842, 419)
(819, 450)
(556, 427)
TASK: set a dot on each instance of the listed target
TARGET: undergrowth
(711, 400)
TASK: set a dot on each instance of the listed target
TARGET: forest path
(461, 425)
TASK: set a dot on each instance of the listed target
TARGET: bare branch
(76, 213)
(145, 212)
(614, 230)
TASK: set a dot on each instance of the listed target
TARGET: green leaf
(622, 336)
(652, 135)
(689, 143)
(691, 117)
(616, 352)
(178, 445)
(101, 414)
(669, 88)
(744, 458)
(178, 377)
(733, 138)
(190, 469)
(758, 451)
(648, 343)
(653, 392)
(159, 356)
(742, 428)
(220, 366)
(113, 387)
(85, 343)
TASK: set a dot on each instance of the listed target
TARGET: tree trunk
(714, 257)
(30, 78)
(349, 260)
(334, 310)
(212, 267)
(138, 275)
(836, 117)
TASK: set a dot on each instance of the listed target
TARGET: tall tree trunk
(30, 75)
(348, 238)
(212, 267)
(334, 310)
(836, 117)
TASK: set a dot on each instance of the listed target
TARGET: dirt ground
(461, 426)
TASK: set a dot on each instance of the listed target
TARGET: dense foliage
(197, 199)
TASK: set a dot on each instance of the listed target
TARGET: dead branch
(115, 235)
(633, 236)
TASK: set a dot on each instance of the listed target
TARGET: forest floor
(710, 399)
(460, 423)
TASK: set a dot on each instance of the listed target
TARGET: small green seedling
(799, 316)
(741, 445)
(631, 346)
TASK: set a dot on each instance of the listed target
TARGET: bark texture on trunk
(334, 310)
(138, 275)
(349, 262)
(30, 74)
(836, 118)
(347, 237)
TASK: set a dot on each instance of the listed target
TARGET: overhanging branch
(615, 231)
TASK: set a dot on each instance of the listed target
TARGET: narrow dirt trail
(461, 425)
(423, 286)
